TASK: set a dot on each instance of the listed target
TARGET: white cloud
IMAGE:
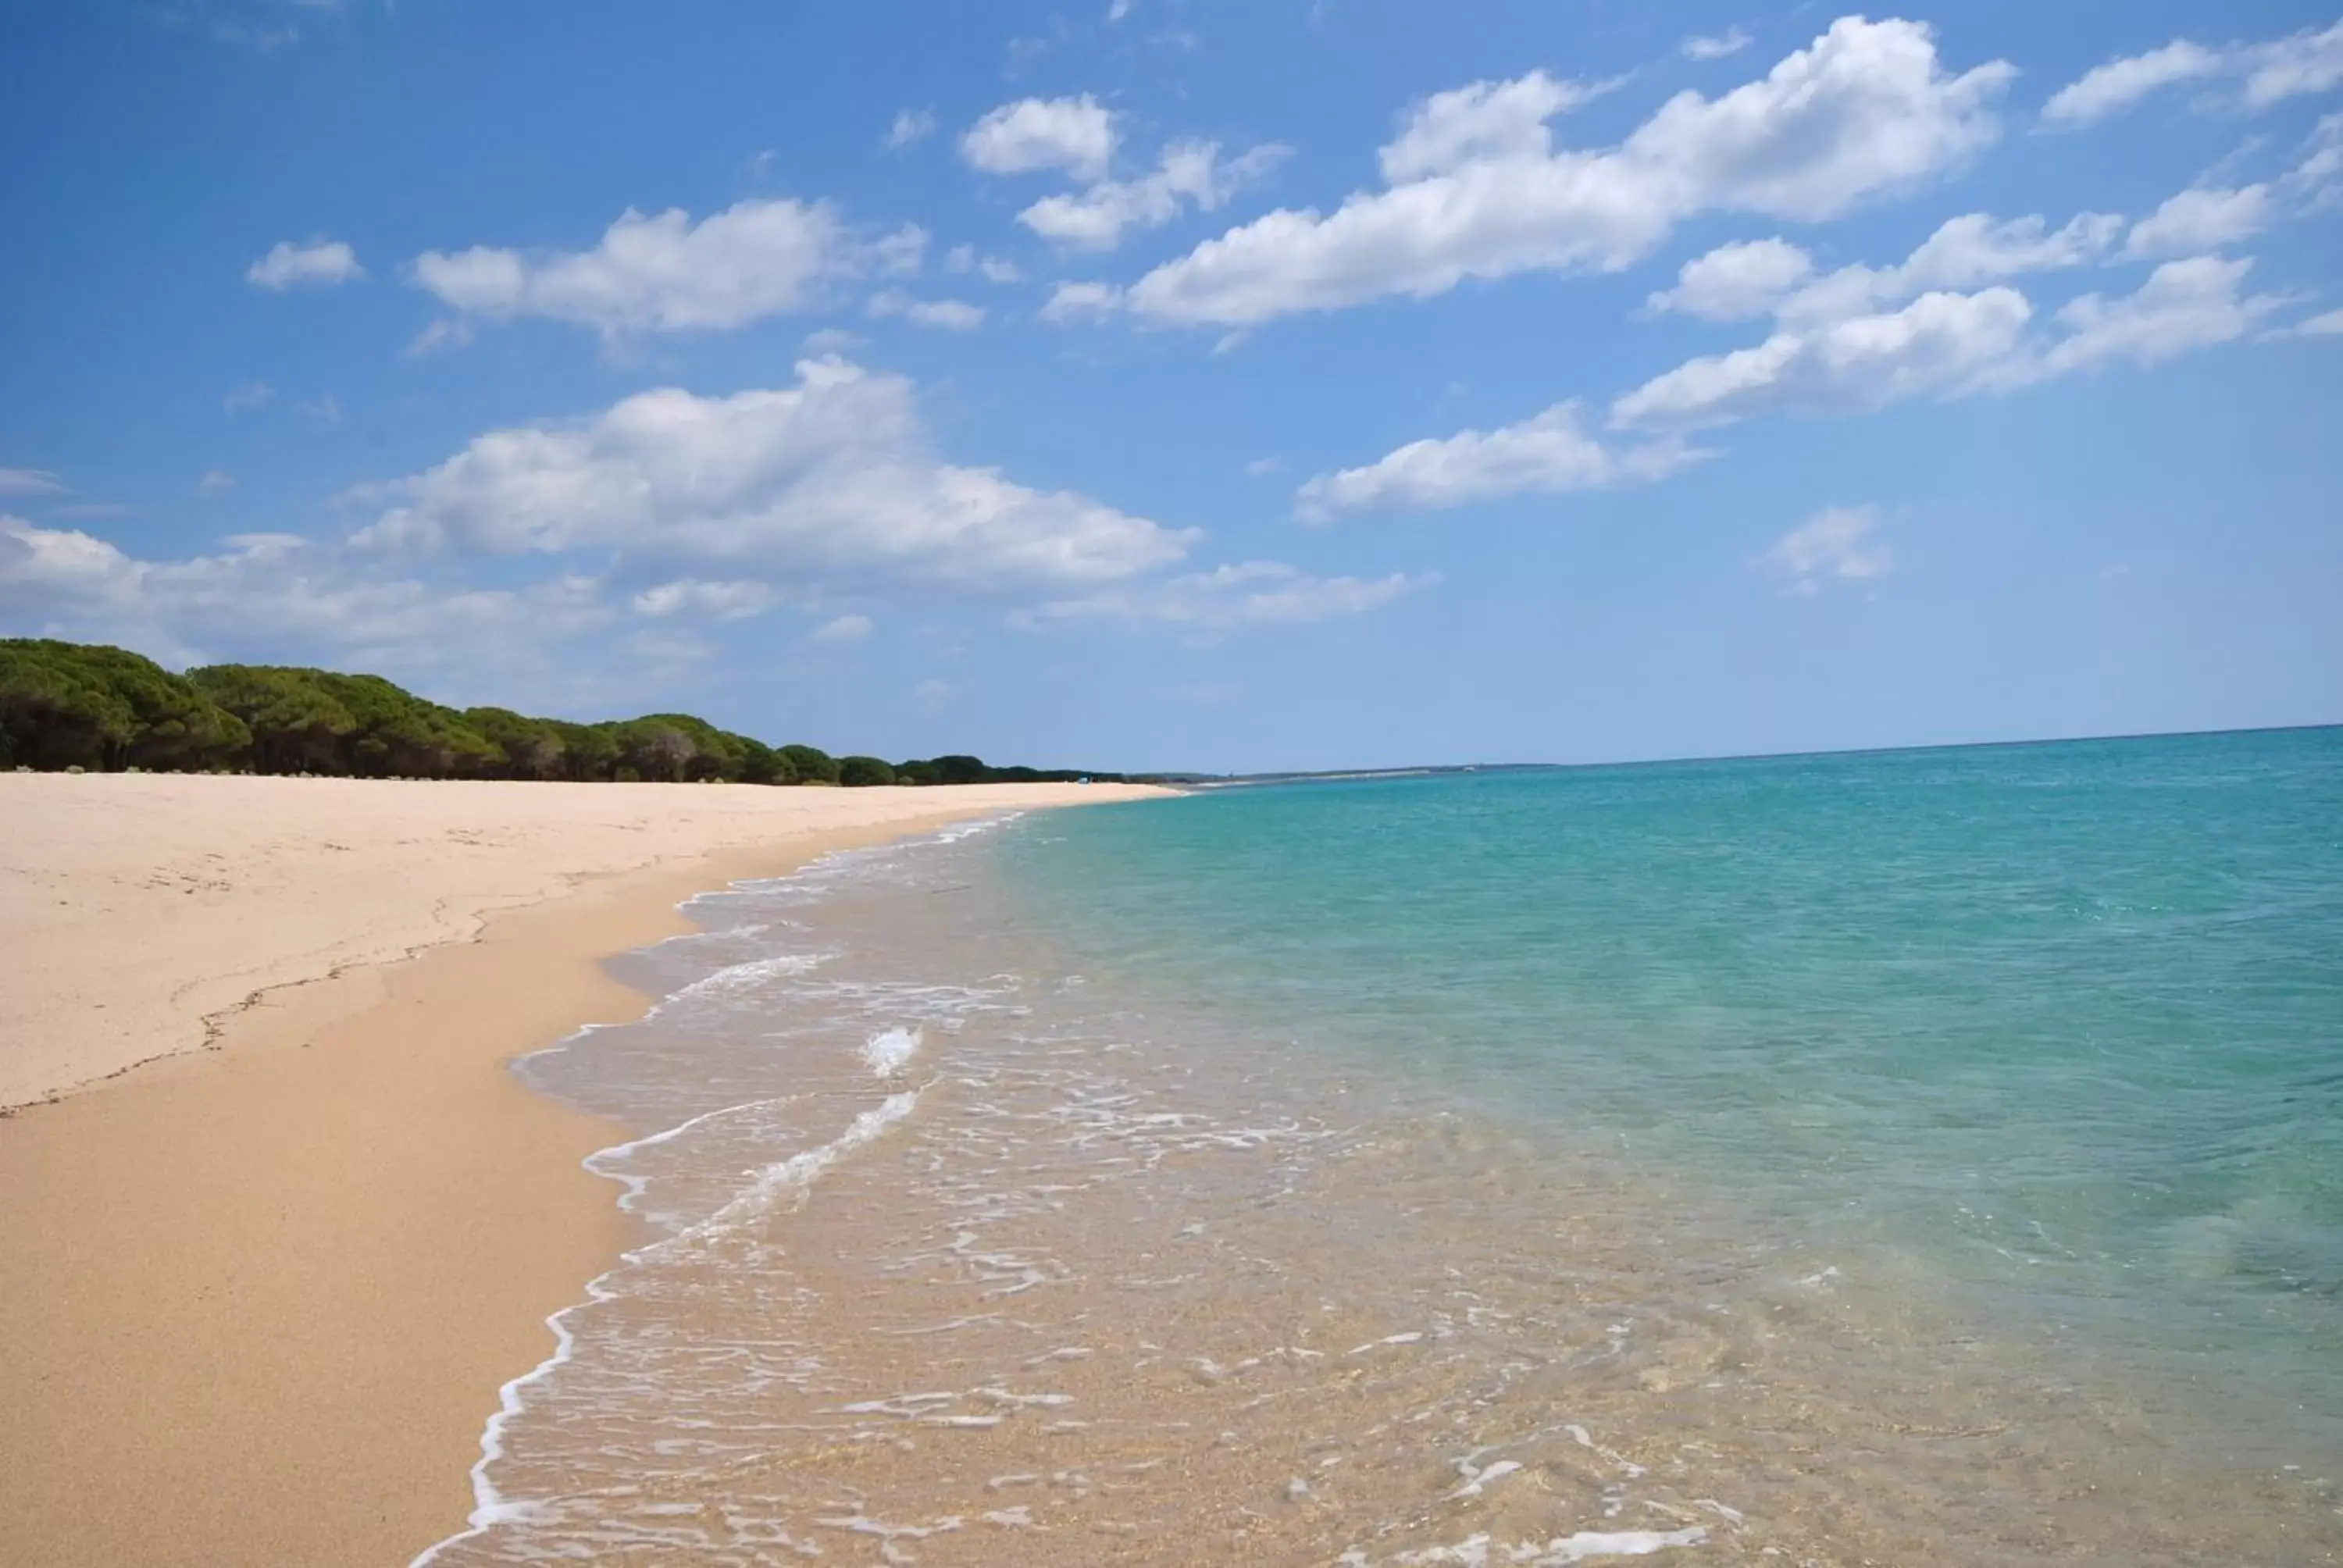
(215, 482)
(910, 125)
(1548, 454)
(932, 695)
(1262, 467)
(1095, 218)
(963, 258)
(1947, 344)
(827, 484)
(326, 408)
(321, 262)
(732, 600)
(1081, 301)
(1076, 135)
(1253, 593)
(1483, 123)
(253, 395)
(275, 595)
(1940, 343)
(665, 273)
(2330, 325)
(1736, 281)
(2310, 61)
(31, 482)
(2184, 305)
(2201, 219)
(1732, 41)
(1775, 277)
(2314, 178)
(1867, 108)
(952, 314)
(1836, 542)
(2116, 86)
(845, 628)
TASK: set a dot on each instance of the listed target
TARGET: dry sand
(259, 1298)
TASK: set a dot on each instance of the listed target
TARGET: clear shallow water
(1927, 1156)
(2059, 1025)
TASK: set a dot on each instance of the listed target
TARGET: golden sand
(259, 1298)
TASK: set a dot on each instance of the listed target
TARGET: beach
(262, 1289)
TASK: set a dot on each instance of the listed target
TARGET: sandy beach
(261, 1289)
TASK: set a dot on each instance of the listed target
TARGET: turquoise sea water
(2051, 1032)
(1930, 1157)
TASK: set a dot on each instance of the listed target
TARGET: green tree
(67, 705)
(862, 772)
(760, 764)
(296, 726)
(653, 748)
(528, 748)
(813, 765)
(54, 712)
(590, 752)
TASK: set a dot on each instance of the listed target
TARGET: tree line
(68, 705)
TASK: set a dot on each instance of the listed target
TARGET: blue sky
(1146, 384)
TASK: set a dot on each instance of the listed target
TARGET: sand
(259, 1293)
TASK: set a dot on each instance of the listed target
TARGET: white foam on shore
(1587, 1545)
(889, 1051)
(600, 1161)
(491, 1508)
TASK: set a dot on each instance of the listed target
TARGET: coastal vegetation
(65, 704)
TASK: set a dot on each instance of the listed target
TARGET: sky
(1142, 383)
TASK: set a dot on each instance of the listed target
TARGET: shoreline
(269, 1290)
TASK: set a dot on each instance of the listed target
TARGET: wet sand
(259, 1297)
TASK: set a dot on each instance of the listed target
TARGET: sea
(1915, 1157)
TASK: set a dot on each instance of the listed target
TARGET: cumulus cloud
(1947, 344)
(1081, 301)
(1940, 343)
(910, 125)
(320, 263)
(1249, 594)
(1189, 172)
(2328, 324)
(844, 629)
(2313, 178)
(1866, 109)
(1074, 135)
(31, 482)
(1772, 276)
(952, 314)
(2183, 306)
(1716, 46)
(1733, 282)
(2201, 219)
(2115, 87)
(2311, 61)
(215, 482)
(1835, 543)
(826, 484)
(1548, 454)
(2264, 74)
(262, 595)
(664, 272)
(1484, 121)
(733, 601)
